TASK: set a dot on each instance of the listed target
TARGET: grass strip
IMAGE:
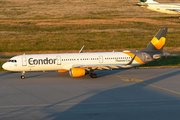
(30, 37)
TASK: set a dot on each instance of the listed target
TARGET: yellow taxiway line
(142, 82)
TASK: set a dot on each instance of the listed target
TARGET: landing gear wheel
(93, 75)
(22, 77)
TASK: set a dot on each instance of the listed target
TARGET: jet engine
(77, 72)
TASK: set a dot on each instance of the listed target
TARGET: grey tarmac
(140, 94)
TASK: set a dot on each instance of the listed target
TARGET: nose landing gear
(22, 76)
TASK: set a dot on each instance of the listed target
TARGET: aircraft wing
(175, 10)
(103, 66)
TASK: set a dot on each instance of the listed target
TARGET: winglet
(131, 60)
(81, 51)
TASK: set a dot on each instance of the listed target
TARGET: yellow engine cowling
(77, 72)
(62, 71)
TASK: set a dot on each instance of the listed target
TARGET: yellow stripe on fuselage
(137, 59)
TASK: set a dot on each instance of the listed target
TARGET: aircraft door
(58, 60)
(24, 61)
(100, 59)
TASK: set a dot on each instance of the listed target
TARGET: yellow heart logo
(158, 43)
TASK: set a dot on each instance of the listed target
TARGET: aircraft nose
(5, 66)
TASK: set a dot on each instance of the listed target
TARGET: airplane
(169, 8)
(80, 64)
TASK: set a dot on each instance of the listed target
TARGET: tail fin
(148, 1)
(157, 43)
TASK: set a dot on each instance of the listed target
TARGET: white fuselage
(53, 62)
(168, 8)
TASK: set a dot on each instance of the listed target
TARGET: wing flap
(174, 10)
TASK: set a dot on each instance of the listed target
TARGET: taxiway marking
(142, 82)
(161, 88)
(129, 80)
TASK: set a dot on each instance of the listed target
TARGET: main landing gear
(22, 76)
(93, 75)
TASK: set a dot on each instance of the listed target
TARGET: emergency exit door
(100, 59)
(58, 60)
(24, 61)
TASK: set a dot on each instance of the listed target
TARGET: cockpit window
(14, 61)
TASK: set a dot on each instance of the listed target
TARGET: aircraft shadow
(149, 104)
(5, 74)
(131, 101)
(103, 73)
(38, 74)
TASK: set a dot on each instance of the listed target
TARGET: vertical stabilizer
(157, 43)
(148, 1)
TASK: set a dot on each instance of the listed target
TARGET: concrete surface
(140, 94)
